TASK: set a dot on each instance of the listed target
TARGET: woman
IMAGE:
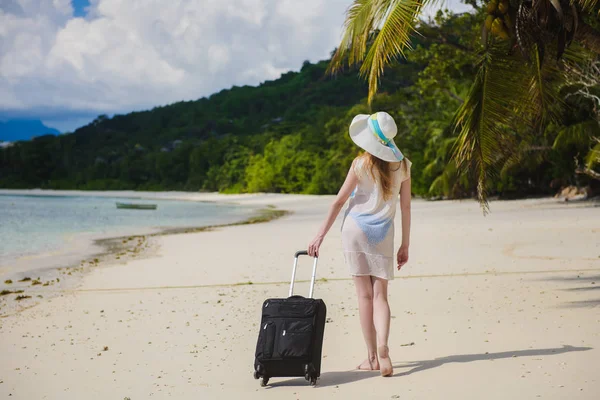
(374, 181)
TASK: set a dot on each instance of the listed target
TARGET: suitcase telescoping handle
(314, 273)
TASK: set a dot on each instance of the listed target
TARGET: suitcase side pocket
(266, 341)
(270, 342)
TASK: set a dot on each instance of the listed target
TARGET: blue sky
(130, 55)
(79, 7)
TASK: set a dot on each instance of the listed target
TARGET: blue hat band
(376, 129)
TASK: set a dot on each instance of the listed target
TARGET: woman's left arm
(334, 210)
(405, 195)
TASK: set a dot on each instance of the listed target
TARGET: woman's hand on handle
(313, 247)
(402, 256)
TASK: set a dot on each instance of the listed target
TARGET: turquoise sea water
(34, 224)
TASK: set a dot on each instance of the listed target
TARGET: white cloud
(135, 54)
(131, 54)
(218, 57)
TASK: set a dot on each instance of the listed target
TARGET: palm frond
(587, 5)
(449, 183)
(397, 19)
(357, 27)
(432, 168)
(592, 159)
(495, 100)
(527, 153)
(577, 55)
(544, 91)
(439, 186)
(577, 134)
(511, 163)
(445, 150)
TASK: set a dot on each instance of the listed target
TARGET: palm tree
(529, 49)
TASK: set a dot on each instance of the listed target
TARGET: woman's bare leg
(381, 319)
(364, 291)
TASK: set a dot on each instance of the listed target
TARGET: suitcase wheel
(256, 375)
(312, 379)
(264, 381)
(310, 374)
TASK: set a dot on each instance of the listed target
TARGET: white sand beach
(499, 307)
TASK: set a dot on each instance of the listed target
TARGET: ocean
(32, 225)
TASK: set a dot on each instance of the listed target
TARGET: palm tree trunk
(588, 37)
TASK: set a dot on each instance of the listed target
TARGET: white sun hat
(375, 134)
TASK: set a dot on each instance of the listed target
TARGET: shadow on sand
(419, 366)
(579, 278)
(592, 285)
(342, 377)
(582, 303)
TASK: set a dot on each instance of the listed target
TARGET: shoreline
(198, 196)
(119, 194)
(99, 252)
(123, 248)
(92, 238)
(203, 197)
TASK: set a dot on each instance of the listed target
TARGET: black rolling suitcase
(290, 340)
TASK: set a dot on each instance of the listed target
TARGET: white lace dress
(368, 225)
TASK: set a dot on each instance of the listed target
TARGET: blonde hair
(384, 170)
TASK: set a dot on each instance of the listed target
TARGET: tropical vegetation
(535, 70)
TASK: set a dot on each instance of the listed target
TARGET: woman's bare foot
(370, 364)
(386, 363)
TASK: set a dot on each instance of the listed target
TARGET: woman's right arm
(334, 210)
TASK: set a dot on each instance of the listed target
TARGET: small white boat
(138, 206)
